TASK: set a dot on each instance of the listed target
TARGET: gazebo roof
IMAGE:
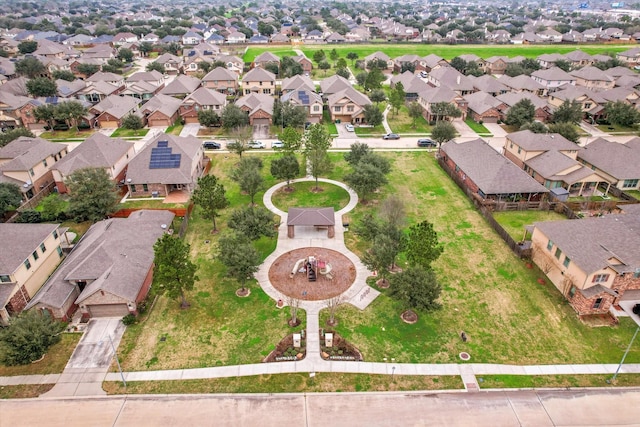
(311, 216)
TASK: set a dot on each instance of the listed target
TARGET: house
(435, 95)
(145, 79)
(236, 37)
(452, 79)
(266, 58)
(550, 36)
(232, 63)
(99, 53)
(279, 38)
(552, 161)
(593, 262)
(297, 82)
(111, 110)
(304, 62)
(630, 57)
(111, 78)
(489, 84)
(16, 110)
(222, 80)
(542, 111)
(495, 65)
(379, 56)
(489, 174)
(27, 162)
(523, 83)
(259, 80)
(334, 38)
(553, 78)
(548, 60)
(95, 92)
(483, 107)
(593, 78)
(578, 58)
(28, 255)
(259, 108)
(348, 106)
(400, 61)
(109, 271)
(191, 38)
(161, 110)
(168, 163)
(411, 84)
(97, 151)
(122, 38)
(334, 84)
(181, 86)
(617, 162)
(592, 103)
(432, 62)
(201, 99)
(172, 64)
(308, 99)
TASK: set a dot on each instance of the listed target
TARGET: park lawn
(323, 382)
(402, 123)
(129, 133)
(67, 134)
(303, 196)
(487, 291)
(253, 51)
(318, 74)
(370, 130)
(213, 131)
(613, 128)
(328, 124)
(557, 381)
(53, 363)
(478, 128)
(514, 221)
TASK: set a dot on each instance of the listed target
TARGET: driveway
(190, 129)
(94, 349)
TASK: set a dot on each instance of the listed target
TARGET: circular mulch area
(409, 316)
(343, 271)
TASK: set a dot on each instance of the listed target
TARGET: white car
(349, 127)
(256, 144)
(277, 144)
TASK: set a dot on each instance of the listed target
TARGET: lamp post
(115, 354)
(625, 353)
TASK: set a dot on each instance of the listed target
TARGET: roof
(481, 102)
(97, 151)
(19, 241)
(26, 152)
(541, 141)
(182, 84)
(550, 163)
(302, 96)
(592, 74)
(452, 78)
(553, 74)
(488, 83)
(295, 82)
(267, 57)
(334, 84)
(114, 255)
(438, 94)
(356, 97)
(618, 160)
(167, 105)
(311, 216)
(117, 106)
(205, 96)
(512, 98)
(220, 73)
(521, 82)
(491, 171)
(256, 101)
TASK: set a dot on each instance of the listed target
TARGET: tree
(285, 167)
(352, 56)
(133, 122)
(392, 211)
(63, 75)
(374, 79)
(173, 271)
(145, 48)
(458, 63)
(253, 222)
(377, 96)
(28, 337)
(41, 87)
(289, 67)
(10, 197)
(396, 97)
(443, 132)
(415, 112)
(287, 114)
(365, 179)
(408, 66)
(361, 78)
(10, 135)
(568, 112)
(333, 55)
(520, 113)
(88, 69)
(535, 127)
(444, 110)
(358, 151)
(233, 117)
(563, 64)
(265, 29)
(240, 144)
(240, 257)
(416, 288)
(125, 54)
(71, 112)
(45, 113)
(622, 114)
(422, 245)
(209, 118)
(372, 115)
(155, 66)
(316, 143)
(291, 141)
(27, 46)
(380, 257)
(332, 305)
(514, 69)
(343, 72)
(247, 175)
(270, 66)
(341, 63)
(324, 66)
(53, 208)
(319, 56)
(210, 195)
(92, 194)
(567, 130)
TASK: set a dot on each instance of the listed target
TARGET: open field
(303, 197)
(53, 363)
(514, 222)
(445, 51)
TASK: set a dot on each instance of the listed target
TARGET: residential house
(489, 84)
(95, 92)
(404, 60)
(201, 99)
(27, 162)
(548, 60)
(172, 64)
(259, 108)
(109, 271)
(379, 56)
(259, 80)
(550, 36)
(100, 53)
(297, 82)
(348, 106)
(266, 58)
(28, 255)
(617, 162)
(483, 107)
(451, 78)
(578, 58)
(499, 36)
(335, 38)
(191, 38)
(111, 78)
(97, 151)
(314, 37)
(542, 111)
(181, 86)
(573, 37)
(495, 65)
(593, 78)
(489, 174)
(304, 62)
(16, 110)
(523, 83)
(630, 57)
(221, 79)
(553, 78)
(411, 84)
(593, 262)
(144, 84)
(308, 99)
(279, 38)
(161, 110)
(432, 62)
(236, 37)
(68, 89)
(592, 103)
(552, 161)
(435, 95)
(168, 163)
(111, 110)
(232, 62)
(122, 38)
(333, 84)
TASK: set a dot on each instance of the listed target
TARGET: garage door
(108, 310)
(260, 121)
(491, 120)
(108, 124)
(189, 120)
(162, 122)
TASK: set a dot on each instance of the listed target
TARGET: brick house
(348, 106)
(617, 162)
(259, 80)
(201, 99)
(161, 110)
(111, 110)
(221, 79)
(483, 107)
(259, 108)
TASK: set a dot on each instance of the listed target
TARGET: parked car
(349, 127)
(256, 144)
(391, 136)
(424, 74)
(277, 144)
(212, 145)
(426, 142)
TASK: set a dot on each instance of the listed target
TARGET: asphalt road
(517, 408)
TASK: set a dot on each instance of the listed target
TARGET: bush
(129, 319)
(30, 216)
(28, 337)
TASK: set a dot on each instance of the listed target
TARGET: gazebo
(319, 218)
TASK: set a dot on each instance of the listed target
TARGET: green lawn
(401, 123)
(303, 196)
(370, 131)
(129, 133)
(53, 363)
(557, 381)
(478, 128)
(149, 204)
(67, 134)
(633, 193)
(514, 221)
(174, 129)
(612, 128)
(253, 51)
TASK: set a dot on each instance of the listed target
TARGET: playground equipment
(312, 266)
(296, 267)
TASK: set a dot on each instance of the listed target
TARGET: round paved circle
(298, 286)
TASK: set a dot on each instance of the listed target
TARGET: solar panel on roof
(163, 158)
(163, 143)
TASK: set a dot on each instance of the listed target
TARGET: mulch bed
(341, 349)
(343, 271)
(285, 349)
(409, 316)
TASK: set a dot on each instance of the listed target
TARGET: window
(572, 291)
(549, 245)
(600, 278)
(519, 150)
(587, 105)
(44, 163)
(43, 248)
(35, 255)
(31, 172)
(558, 253)
(59, 250)
(597, 303)
(567, 261)
(337, 109)
(316, 108)
(55, 234)
(145, 187)
(27, 264)
(630, 183)
(132, 187)
(266, 91)
(350, 108)
(5, 279)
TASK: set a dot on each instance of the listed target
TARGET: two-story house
(617, 162)
(222, 80)
(201, 99)
(348, 106)
(259, 80)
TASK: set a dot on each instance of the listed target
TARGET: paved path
(463, 129)
(385, 123)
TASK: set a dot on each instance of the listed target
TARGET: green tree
(173, 271)
(365, 179)
(408, 66)
(27, 46)
(357, 151)
(240, 143)
(10, 197)
(316, 143)
(53, 208)
(422, 245)
(514, 69)
(209, 118)
(287, 114)
(343, 72)
(133, 122)
(324, 66)
(247, 175)
(622, 114)
(210, 195)
(125, 54)
(377, 96)
(352, 56)
(285, 167)
(415, 112)
(10, 135)
(240, 257)
(45, 113)
(340, 63)
(291, 141)
(520, 113)
(374, 79)
(265, 29)
(535, 127)
(444, 111)
(71, 112)
(254, 222)
(458, 63)
(28, 337)
(145, 48)
(568, 112)
(155, 66)
(567, 130)
(372, 115)
(41, 87)
(334, 55)
(361, 78)
(416, 288)
(233, 117)
(63, 75)
(381, 256)
(443, 132)
(319, 56)
(563, 64)
(92, 196)
(88, 69)
(396, 97)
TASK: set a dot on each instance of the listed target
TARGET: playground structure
(312, 266)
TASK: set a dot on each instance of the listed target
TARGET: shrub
(129, 319)
(28, 337)
(29, 216)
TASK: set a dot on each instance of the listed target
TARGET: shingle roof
(512, 98)
(295, 82)
(488, 83)
(492, 172)
(553, 74)
(334, 84)
(26, 152)
(256, 101)
(220, 74)
(592, 74)
(97, 151)
(205, 96)
(19, 241)
(481, 102)
(541, 141)
(311, 216)
(167, 105)
(182, 84)
(267, 57)
(621, 161)
(521, 82)
(259, 75)
(117, 106)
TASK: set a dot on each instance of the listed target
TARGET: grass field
(67, 134)
(514, 222)
(478, 128)
(612, 128)
(303, 197)
(445, 51)
(557, 381)
(24, 391)
(149, 204)
(129, 133)
(53, 363)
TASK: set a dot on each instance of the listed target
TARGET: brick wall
(460, 173)
(584, 305)
(19, 300)
(513, 158)
(146, 285)
(160, 188)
